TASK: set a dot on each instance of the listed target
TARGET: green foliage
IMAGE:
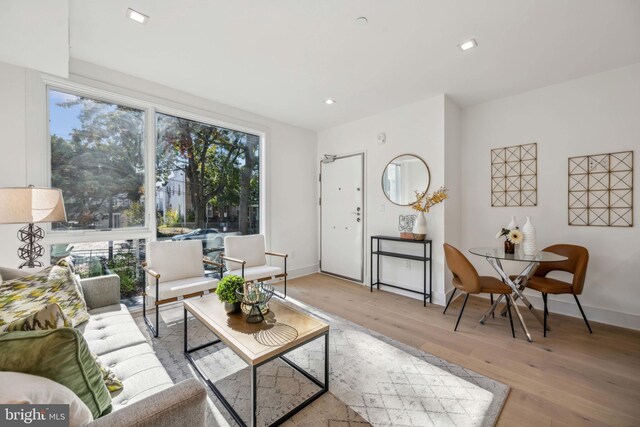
(171, 218)
(217, 163)
(125, 265)
(135, 214)
(102, 163)
(228, 287)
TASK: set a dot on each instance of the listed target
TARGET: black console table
(424, 259)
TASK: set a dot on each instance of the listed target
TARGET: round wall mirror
(403, 176)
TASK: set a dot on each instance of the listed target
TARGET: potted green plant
(227, 293)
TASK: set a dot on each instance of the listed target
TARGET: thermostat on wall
(382, 138)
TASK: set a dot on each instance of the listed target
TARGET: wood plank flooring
(569, 378)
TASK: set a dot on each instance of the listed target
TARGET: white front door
(342, 217)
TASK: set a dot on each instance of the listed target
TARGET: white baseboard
(292, 273)
(594, 314)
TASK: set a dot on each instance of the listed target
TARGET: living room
(336, 173)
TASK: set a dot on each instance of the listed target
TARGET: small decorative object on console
(405, 226)
(424, 202)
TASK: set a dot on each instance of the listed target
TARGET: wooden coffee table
(284, 330)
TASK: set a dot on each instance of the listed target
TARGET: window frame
(113, 94)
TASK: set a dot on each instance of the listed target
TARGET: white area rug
(374, 380)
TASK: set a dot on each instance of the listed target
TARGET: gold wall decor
(601, 190)
(514, 176)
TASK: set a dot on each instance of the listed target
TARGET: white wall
(419, 129)
(13, 170)
(591, 115)
(452, 207)
(35, 34)
(291, 151)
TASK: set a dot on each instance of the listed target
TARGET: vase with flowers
(424, 202)
(512, 238)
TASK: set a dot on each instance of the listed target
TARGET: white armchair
(174, 271)
(246, 256)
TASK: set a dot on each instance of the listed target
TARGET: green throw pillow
(25, 295)
(62, 355)
(50, 317)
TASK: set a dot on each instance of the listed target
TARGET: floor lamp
(31, 205)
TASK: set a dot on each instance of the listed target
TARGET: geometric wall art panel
(514, 176)
(601, 190)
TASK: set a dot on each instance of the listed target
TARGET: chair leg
(152, 329)
(546, 313)
(493, 313)
(449, 302)
(513, 331)
(461, 310)
(285, 277)
(583, 315)
(157, 319)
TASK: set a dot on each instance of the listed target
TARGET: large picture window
(207, 182)
(97, 160)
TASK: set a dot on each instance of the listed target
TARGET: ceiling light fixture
(330, 101)
(362, 20)
(468, 45)
(137, 16)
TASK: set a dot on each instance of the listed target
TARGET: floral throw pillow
(23, 296)
(50, 317)
(112, 382)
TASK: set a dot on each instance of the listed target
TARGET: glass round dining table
(499, 253)
(494, 256)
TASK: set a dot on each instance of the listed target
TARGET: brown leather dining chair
(467, 279)
(576, 264)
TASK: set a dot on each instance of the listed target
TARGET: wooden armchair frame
(157, 302)
(243, 262)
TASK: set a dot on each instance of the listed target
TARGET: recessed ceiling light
(330, 101)
(137, 16)
(468, 45)
(362, 20)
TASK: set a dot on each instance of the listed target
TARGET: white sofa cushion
(181, 287)
(254, 273)
(175, 260)
(247, 248)
(110, 328)
(140, 371)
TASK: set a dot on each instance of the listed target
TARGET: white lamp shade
(31, 204)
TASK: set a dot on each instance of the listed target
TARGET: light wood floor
(569, 378)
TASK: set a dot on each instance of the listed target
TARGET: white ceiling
(283, 58)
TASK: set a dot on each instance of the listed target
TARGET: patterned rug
(374, 380)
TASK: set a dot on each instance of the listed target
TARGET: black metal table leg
(326, 362)
(254, 393)
(378, 265)
(371, 266)
(324, 387)
(430, 272)
(424, 276)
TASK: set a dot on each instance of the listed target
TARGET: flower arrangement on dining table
(513, 237)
